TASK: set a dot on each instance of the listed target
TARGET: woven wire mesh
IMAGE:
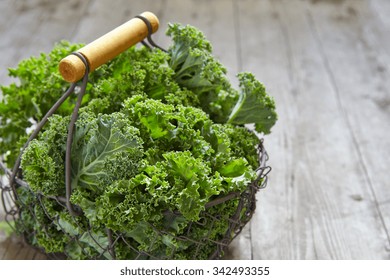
(225, 215)
(67, 234)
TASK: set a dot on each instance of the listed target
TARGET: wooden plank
(312, 208)
(263, 46)
(16, 36)
(378, 26)
(59, 22)
(36, 26)
(364, 95)
(13, 248)
(380, 10)
(6, 7)
(100, 20)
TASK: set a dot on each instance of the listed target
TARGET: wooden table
(326, 62)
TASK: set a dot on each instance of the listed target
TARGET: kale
(159, 136)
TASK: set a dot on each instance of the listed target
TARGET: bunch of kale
(158, 134)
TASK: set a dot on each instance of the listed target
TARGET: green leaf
(254, 105)
(199, 71)
(138, 233)
(101, 142)
(98, 241)
(152, 147)
(66, 224)
(234, 168)
(189, 202)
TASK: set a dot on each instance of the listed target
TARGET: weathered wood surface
(327, 64)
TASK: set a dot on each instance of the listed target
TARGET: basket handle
(108, 46)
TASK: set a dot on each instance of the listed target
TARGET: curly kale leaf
(192, 183)
(199, 71)
(243, 143)
(43, 159)
(104, 149)
(254, 105)
(165, 127)
(159, 137)
(188, 161)
(38, 163)
(27, 100)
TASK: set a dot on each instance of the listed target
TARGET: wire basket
(73, 237)
(103, 245)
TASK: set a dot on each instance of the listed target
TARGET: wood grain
(33, 26)
(364, 96)
(312, 211)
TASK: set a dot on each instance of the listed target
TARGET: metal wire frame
(151, 44)
(236, 222)
(13, 207)
(13, 176)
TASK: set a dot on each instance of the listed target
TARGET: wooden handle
(107, 47)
